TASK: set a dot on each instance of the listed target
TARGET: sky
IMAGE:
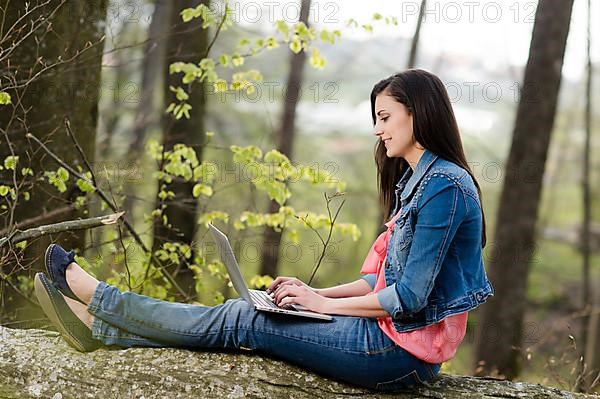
(496, 32)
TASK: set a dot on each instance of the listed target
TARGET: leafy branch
(113, 206)
(331, 223)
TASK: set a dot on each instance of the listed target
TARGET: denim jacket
(434, 263)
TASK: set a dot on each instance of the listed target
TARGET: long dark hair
(434, 127)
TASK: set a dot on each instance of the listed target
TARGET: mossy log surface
(39, 364)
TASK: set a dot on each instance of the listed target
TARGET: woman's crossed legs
(350, 349)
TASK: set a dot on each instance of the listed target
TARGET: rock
(39, 364)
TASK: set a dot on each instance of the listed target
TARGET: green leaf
(62, 174)
(10, 162)
(80, 201)
(296, 45)
(4, 190)
(293, 236)
(260, 282)
(349, 229)
(26, 171)
(85, 186)
(283, 27)
(21, 245)
(252, 219)
(220, 85)
(209, 217)
(316, 61)
(188, 14)
(237, 60)
(207, 63)
(272, 43)
(352, 23)
(58, 178)
(202, 189)
(276, 190)
(207, 172)
(224, 59)
(301, 30)
(179, 93)
(182, 110)
(276, 157)
(4, 98)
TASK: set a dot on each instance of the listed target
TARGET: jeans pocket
(433, 370)
(403, 382)
(418, 376)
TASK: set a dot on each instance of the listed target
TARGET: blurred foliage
(238, 175)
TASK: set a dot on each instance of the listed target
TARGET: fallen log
(39, 364)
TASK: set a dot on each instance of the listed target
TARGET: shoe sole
(46, 255)
(47, 304)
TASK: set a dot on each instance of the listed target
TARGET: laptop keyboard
(263, 299)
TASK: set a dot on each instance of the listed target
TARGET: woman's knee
(238, 308)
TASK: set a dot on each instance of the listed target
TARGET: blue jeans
(350, 349)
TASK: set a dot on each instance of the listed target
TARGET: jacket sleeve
(441, 209)
(371, 279)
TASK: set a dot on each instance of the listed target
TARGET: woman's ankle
(80, 282)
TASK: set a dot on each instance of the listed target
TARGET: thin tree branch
(39, 219)
(71, 225)
(214, 39)
(326, 242)
(80, 150)
(128, 225)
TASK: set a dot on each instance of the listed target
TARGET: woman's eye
(385, 119)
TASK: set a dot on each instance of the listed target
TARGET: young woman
(392, 328)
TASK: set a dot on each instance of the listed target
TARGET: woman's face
(394, 126)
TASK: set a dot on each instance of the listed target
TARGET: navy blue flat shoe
(73, 330)
(56, 261)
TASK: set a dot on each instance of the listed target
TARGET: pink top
(435, 343)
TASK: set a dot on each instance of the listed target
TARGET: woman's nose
(377, 132)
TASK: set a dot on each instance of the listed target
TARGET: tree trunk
(69, 35)
(412, 59)
(499, 336)
(591, 324)
(186, 43)
(285, 142)
(152, 72)
(38, 363)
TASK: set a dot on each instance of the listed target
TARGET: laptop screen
(235, 275)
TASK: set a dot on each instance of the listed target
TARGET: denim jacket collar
(410, 179)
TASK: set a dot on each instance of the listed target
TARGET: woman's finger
(289, 282)
(276, 283)
(286, 301)
(273, 284)
(287, 291)
(279, 294)
(282, 285)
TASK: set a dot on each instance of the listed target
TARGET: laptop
(260, 299)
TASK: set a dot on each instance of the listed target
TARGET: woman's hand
(281, 281)
(289, 294)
